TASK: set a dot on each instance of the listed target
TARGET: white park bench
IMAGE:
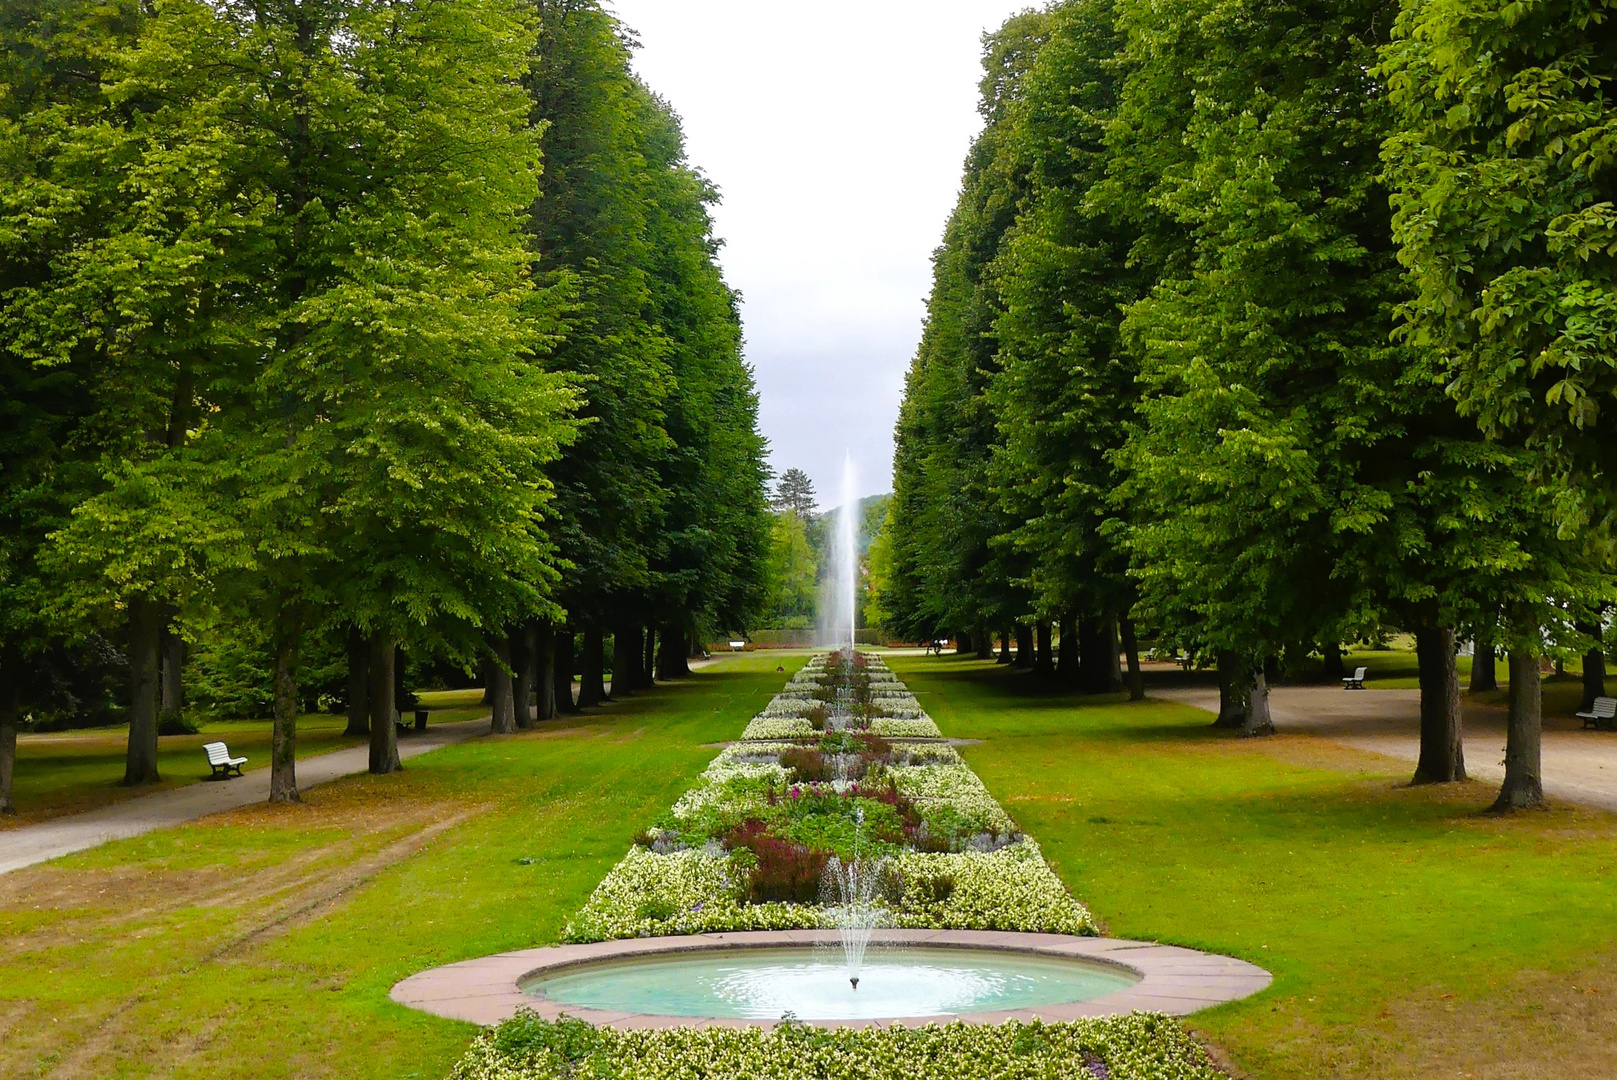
(1355, 681)
(219, 757)
(1602, 716)
(737, 646)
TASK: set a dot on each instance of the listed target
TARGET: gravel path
(51, 839)
(1579, 766)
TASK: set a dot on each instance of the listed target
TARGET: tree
(946, 573)
(1064, 389)
(53, 58)
(794, 492)
(367, 427)
(1501, 194)
(591, 228)
(792, 573)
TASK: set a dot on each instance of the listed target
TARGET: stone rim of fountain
(1172, 979)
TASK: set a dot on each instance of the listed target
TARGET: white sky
(836, 132)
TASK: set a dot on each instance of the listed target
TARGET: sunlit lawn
(1409, 935)
(262, 943)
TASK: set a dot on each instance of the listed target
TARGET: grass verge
(1410, 936)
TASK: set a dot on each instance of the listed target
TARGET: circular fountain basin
(753, 978)
(814, 984)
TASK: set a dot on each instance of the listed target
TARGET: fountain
(839, 592)
(849, 892)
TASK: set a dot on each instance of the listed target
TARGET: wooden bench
(219, 757)
(1355, 681)
(1603, 716)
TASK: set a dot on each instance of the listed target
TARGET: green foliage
(1501, 174)
(943, 572)
(792, 572)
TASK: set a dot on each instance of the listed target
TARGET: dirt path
(1579, 766)
(62, 836)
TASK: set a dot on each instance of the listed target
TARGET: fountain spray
(839, 590)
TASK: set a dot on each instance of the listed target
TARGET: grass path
(262, 943)
(1409, 935)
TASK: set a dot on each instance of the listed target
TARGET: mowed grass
(65, 772)
(1409, 934)
(262, 943)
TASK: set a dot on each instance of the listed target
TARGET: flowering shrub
(1140, 1046)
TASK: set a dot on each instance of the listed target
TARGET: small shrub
(177, 724)
(817, 717)
(565, 1044)
(806, 764)
(780, 869)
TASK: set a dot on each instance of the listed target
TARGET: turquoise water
(812, 984)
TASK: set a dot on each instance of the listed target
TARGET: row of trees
(1264, 326)
(353, 326)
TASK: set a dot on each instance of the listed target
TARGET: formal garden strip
(813, 778)
(842, 765)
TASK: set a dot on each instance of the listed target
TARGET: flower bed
(746, 847)
(1135, 1047)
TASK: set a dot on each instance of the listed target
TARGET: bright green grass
(65, 772)
(1319, 864)
(241, 946)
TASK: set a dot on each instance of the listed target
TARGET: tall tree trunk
(359, 690)
(402, 698)
(502, 717)
(10, 709)
(625, 654)
(563, 663)
(146, 619)
(1024, 646)
(172, 697)
(1131, 649)
(1258, 720)
(522, 660)
(384, 737)
(592, 688)
(544, 671)
(1594, 667)
(284, 740)
(1232, 696)
(984, 642)
(1524, 734)
(1332, 651)
(962, 643)
(648, 659)
(1068, 653)
(1484, 668)
(1099, 655)
(673, 658)
(1044, 662)
(1442, 758)
(1004, 647)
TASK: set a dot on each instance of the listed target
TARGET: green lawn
(64, 772)
(262, 943)
(1409, 935)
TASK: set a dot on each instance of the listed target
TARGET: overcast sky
(836, 132)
